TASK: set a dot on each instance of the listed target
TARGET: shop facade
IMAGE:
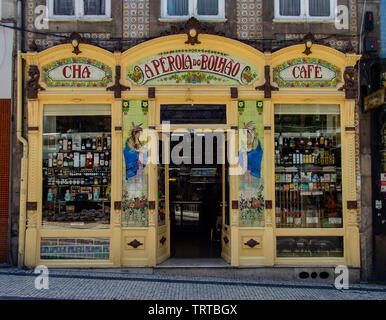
(111, 182)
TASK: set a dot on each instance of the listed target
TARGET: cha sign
(76, 72)
(192, 67)
(307, 73)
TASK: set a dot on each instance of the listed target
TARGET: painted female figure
(254, 153)
(135, 156)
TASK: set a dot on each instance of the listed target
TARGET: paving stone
(111, 285)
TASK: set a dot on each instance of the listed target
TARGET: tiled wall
(249, 19)
(249, 23)
(83, 248)
(136, 19)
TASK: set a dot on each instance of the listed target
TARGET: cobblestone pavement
(110, 285)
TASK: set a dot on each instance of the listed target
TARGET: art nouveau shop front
(112, 183)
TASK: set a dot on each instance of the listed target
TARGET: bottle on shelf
(104, 143)
(88, 143)
(102, 160)
(321, 140)
(309, 142)
(108, 142)
(316, 142)
(292, 142)
(89, 160)
(60, 142)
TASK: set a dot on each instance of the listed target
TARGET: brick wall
(5, 114)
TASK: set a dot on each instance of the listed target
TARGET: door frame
(165, 230)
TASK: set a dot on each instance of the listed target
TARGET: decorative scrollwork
(350, 85)
(33, 85)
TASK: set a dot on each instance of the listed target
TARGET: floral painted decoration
(134, 211)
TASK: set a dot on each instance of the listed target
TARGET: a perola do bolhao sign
(192, 67)
(307, 73)
(76, 72)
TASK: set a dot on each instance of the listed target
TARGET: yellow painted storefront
(153, 240)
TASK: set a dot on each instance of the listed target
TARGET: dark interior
(195, 206)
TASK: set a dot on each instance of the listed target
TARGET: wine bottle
(285, 143)
(292, 142)
(105, 143)
(50, 160)
(309, 142)
(107, 159)
(102, 160)
(88, 143)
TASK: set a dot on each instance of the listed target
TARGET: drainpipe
(24, 164)
(19, 132)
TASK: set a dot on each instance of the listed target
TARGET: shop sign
(307, 73)
(375, 99)
(192, 67)
(76, 72)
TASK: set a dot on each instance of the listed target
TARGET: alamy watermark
(341, 277)
(42, 280)
(188, 150)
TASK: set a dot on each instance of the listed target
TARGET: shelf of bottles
(383, 148)
(308, 175)
(76, 179)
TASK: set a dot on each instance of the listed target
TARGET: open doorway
(195, 202)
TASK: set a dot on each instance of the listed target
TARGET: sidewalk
(116, 284)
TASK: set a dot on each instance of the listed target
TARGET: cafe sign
(307, 73)
(76, 72)
(192, 67)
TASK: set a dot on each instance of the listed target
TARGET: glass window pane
(308, 172)
(76, 171)
(319, 8)
(64, 7)
(207, 7)
(193, 114)
(94, 7)
(290, 7)
(309, 247)
(178, 7)
(161, 189)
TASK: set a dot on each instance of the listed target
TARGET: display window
(308, 171)
(309, 246)
(76, 166)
